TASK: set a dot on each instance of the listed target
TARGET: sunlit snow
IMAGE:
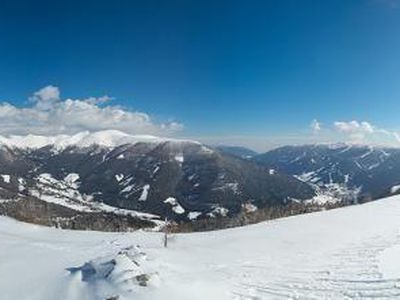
(346, 253)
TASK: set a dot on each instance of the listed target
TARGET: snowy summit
(106, 138)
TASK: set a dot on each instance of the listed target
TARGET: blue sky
(255, 73)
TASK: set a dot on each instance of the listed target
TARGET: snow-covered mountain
(341, 169)
(132, 176)
(106, 138)
(346, 253)
(110, 180)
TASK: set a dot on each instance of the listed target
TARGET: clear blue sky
(222, 68)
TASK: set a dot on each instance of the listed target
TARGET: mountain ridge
(178, 179)
(372, 169)
(106, 138)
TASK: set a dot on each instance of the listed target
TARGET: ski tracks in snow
(349, 273)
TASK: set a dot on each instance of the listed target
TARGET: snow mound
(394, 189)
(116, 275)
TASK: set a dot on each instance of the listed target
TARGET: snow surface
(179, 158)
(346, 253)
(389, 261)
(65, 193)
(145, 192)
(128, 189)
(71, 180)
(233, 186)
(330, 192)
(21, 184)
(395, 189)
(333, 193)
(305, 177)
(218, 211)
(249, 207)
(6, 178)
(175, 206)
(193, 215)
(156, 170)
(119, 177)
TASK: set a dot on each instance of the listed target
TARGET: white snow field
(346, 253)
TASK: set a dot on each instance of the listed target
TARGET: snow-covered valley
(346, 253)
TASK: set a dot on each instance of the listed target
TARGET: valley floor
(346, 253)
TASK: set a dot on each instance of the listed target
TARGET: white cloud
(49, 114)
(396, 136)
(356, 131)
(46, 97)
(354, 127)
(315, 126)
(365, 132)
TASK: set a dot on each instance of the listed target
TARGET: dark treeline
(246, 218)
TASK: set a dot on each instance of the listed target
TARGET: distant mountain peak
(238, 151)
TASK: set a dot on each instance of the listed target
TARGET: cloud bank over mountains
(360, 132)
(49, 114)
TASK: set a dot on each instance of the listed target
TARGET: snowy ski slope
(347, 253)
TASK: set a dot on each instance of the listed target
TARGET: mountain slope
(178, 179)
(346, 253)
(241, 152)
(370, 172)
